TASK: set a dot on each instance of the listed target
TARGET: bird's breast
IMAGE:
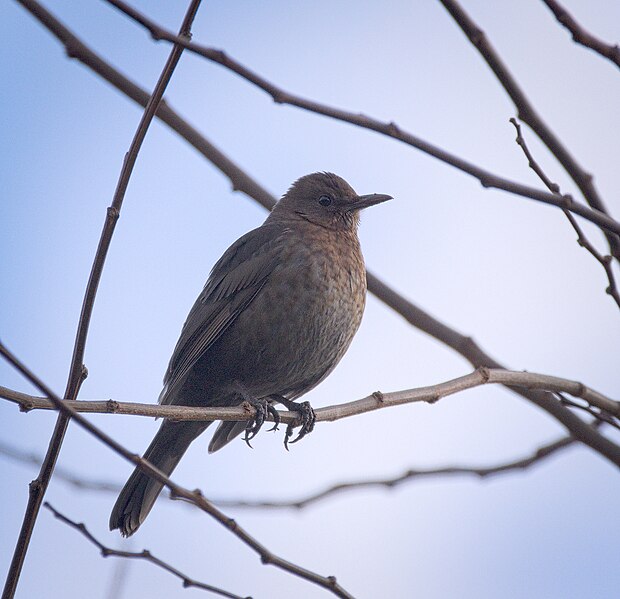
(308, 311)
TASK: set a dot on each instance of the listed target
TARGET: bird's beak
(371, 199)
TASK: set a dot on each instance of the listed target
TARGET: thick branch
(77, 370)
(196, 497)
(241, 181)
(145, 555)
(374, 401)
(581, 36)
(280, 96)
(527, 113)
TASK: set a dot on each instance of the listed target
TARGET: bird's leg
(263, 407)
(307, 417)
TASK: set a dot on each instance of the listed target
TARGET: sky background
(499, 267)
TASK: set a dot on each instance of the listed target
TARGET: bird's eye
(325, 200)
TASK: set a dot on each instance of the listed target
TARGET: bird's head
(326, 200)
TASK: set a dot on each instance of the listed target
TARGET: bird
(277, 313)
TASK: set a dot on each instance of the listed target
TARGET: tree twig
(196, 497)
(241, 181)
(145, 555)
(582, 240)
(77, 370)
(581, 36)
(374, 401)
(527, 113)
(280, 96)
(409, 475)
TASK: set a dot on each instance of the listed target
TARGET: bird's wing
(235, 280)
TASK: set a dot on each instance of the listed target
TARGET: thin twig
(582, 240)
(196, 497)
(241, 181)
(280, 96)
(409, 475)
(145, 554)
(527, 113)
(77, 370)
(581, 36)
(374, 401)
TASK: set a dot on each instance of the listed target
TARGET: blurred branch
(410, 475)
(76, 481)
(77, 370)
(280, 96)
(581, 36)
(374, 401)
(241, 181)
(527, 113)
(196, 497)
(145, 554)
(582, 240)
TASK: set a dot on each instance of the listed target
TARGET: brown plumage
(276, 315)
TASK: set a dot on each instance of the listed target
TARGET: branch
(477, 357)
(77, 370)
(582, 240)
(241, 181)
(145, 554)
(411, 474)
(196, 497)
(280, 96)
(527, 113)
(374, 401)
(581, 36)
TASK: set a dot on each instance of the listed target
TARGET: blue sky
(501, 268)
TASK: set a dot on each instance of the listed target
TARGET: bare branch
(280, 96)
(241, 181)
(411, 475)
(196, 497)
(77, 370)
(145, 554)
(477, 357)
(582, 240)
(374, 401)
(527, 113)
(581, 36)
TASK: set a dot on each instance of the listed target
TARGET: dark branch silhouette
(280, 96)
(528, 114)
(77, 370)
(581, 36)
(145, 555)
(582, 240)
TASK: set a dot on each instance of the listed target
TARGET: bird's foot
(307, 418)
(263, 408)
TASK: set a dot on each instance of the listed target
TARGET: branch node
(483, 371)
(112, 406)
(378, 395)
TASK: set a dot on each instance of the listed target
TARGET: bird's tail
(140, 492)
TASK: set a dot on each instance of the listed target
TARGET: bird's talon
(307, 417)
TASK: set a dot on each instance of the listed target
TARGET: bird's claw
(307, 416)
(263, 408)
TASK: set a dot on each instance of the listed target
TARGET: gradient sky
(502, 268)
